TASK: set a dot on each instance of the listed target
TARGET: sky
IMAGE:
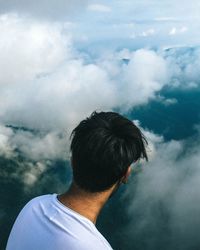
(147, 23)
(60, 61)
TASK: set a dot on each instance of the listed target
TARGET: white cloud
(170, 101)
(29, 48)
(34, 146)
(175, 30)
(183, 67)
(166, 101)
(167, 195)
(99, 8)
(6, 148)
(145, 74)
(32, 173)
(59, 87)
(148, 32)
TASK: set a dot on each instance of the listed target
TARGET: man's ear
(127, 174)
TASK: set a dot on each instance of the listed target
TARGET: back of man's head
(103, 146)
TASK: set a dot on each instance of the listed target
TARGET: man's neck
(85, 203)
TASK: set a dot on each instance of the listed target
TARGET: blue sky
(143, 23)
(138, 23)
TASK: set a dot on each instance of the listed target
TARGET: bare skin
(89, 204)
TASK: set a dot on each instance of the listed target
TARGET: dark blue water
(176, 121)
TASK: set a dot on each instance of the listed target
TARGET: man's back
(45, 223)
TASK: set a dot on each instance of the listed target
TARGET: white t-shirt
(46, 224)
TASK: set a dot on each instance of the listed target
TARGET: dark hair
(103, 146)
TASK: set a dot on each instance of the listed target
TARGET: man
(103, 147)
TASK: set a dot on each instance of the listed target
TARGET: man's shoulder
(46, 214)
(35, 202)
(40, 198)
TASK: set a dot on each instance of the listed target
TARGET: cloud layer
(47, 85)
(165, 205)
